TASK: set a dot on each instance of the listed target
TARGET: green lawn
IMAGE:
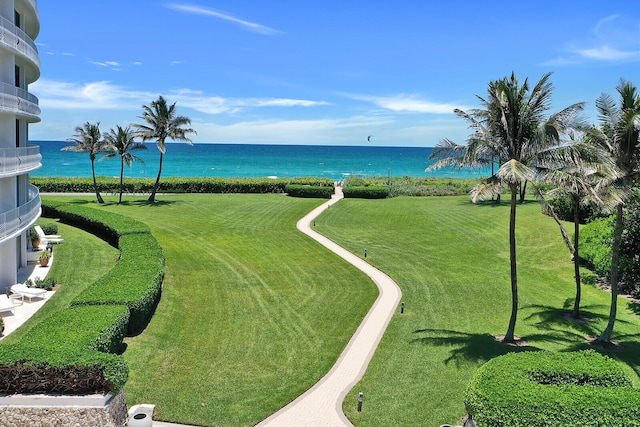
(78, 262)
(451, 259)
(253, 312)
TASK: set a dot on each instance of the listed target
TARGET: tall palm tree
(162, 123)
(88, 139)
(513, 128)
(120, 142)
(585, 180)
(619, 133)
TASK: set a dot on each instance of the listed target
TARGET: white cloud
(607, 53)
(407, 103)
(198, 10)
(104, 95)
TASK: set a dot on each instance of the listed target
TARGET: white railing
(34, 5)
(18, 161)
(18, 101)
(16, 39)
(18, 220)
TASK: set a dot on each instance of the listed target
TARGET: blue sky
(321, 72)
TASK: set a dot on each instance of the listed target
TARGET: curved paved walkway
(321, 405)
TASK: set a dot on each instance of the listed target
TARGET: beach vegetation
(512, 128)
(120, 142)
(619, 133)
(297, 190)
(367, 192)
(178, 185)
(88, 139)
(162, 123)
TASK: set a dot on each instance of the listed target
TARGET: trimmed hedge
(370, 192)
(135, 281)
(581, 389)
(68, 353)
(175, 185)
(296, 190)
(72, 351)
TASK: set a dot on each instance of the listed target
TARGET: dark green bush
(175, 185)
(371, 192)
(49, 228)
(70, 343)
(596, 241)
(536, 389)
(296, 190)
(71, 351)
(135, 281)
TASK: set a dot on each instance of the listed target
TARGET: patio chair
(27, 292)
(53, 238)
(9, 303)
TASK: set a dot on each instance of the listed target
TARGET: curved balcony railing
(18, 220)
(18, 101)
(18, 161)
(34, 5)
(17, 40)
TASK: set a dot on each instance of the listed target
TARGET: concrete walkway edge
(321, 405)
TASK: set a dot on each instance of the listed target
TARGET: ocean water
(250, 160)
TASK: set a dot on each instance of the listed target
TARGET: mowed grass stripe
(451, 259)
(252, 314)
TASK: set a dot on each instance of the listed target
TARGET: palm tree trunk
(95, 184)
(605, 336)
(576, 258)
(152, 197)
(121, 179)
(510, 335)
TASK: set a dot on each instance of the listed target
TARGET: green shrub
(296, 190)
(553, 389)
(49, 228)
(57, 355)
(175, 185)
(371, 192)
(596, 241)
(47, 283)
(71, 351)
(135, 281)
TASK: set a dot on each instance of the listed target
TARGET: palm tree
(585, 179)
(88, 140)
(162, 123)
(512, 128)
(120, 142)
(619, 133)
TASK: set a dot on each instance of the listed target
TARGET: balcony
(19, 161)
(19, 42)
(16, 221)
(18, 101)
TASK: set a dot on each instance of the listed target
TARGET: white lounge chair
(53, 238)
(9, 303)
(27, 292)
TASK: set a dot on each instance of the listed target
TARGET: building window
(17, 133)
(17, 20)
(17, 76)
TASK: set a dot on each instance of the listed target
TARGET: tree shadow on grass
(559, 321)
(467, 347)
(634, 307)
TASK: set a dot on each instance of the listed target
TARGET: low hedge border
(309, 191)
(75, 350)
(367, 192)
(175, 185)
(581, 389)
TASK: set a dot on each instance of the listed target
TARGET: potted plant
(35, 237)
(44, 258)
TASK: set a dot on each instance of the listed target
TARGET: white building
(19, 67)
